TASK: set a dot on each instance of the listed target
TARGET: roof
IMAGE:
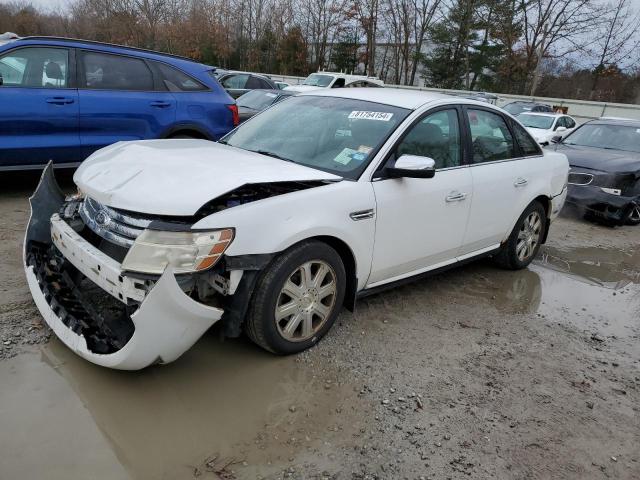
(398, 97)
(546, 114)
(229, 72)
(626, 122)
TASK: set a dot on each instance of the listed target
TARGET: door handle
(160, 104)
(59, 100)
(520, 182)
(455, 197)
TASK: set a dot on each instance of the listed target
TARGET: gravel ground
(475, 373)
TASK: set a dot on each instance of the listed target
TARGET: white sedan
(318, 200)
(547, 127)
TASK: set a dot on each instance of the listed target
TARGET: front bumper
(160, 321)
(605, 206)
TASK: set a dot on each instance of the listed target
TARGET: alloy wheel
(306, 301)
(529, 236)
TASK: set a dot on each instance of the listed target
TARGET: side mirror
(561, 129)
(412, 166)
(556, 138)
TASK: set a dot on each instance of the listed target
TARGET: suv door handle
(455, 197)
(160, 104)
(59, 100)
(520, 182)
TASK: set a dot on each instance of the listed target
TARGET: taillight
(234, 112)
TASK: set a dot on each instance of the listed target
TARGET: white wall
(581, 110)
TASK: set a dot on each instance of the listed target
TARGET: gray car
(257, 100)
(239, 83)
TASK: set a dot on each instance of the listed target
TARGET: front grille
(111, 224)
(580, 178)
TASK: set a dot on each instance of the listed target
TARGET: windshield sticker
(362, 115)
(365, 149)
(348, 155)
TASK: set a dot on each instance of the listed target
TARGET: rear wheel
(297, 299)
(524, 242)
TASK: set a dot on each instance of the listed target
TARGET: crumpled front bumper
(592, 200)
(166, 322)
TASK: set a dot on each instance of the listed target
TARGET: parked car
(257, 100)
(480, 96)
(604, 181)
(63, 99)
(546, 126)
(518, 107)
(239, 83)
(335, 80)
(8, 37)
(291, 224)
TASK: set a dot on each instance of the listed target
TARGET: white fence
(581, 110)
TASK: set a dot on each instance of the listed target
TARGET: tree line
(563, 48)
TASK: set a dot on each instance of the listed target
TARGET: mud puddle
(593, 289)
(63, 417)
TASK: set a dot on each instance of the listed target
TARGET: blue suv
(62, 99)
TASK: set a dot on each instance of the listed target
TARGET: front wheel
(297, 299)
(524, 242)
(633, 217)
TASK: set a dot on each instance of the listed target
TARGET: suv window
(527, 144)
(491, 137)
(175, 80)
(114, 72)
(235, 81)
(35, 67)
(436, 136)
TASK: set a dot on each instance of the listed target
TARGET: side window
(527, 144)
(175, 80)
(35, 67)
(253, 83)
(490, 136)
(339, 83)
(114, 72)
(436, 136)
(264, 84)
(235, 81)
(569, 121)
(560, 123)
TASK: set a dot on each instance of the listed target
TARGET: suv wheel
(297, 299)
(524, 242)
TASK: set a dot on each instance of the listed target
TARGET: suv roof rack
(95, 42)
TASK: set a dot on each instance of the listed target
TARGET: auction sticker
(362, 115)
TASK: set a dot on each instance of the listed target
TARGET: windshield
(256, 99)
(337, 135)
(317, 80)
(536, 121)
(615, 137)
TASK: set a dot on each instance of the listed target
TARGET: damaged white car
(321, 199)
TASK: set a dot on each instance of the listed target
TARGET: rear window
(176, 81)
(114, 72)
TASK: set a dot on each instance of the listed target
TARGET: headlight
(612, 191)
(186, 252)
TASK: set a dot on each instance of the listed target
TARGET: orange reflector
(226, 235)
(208, 262)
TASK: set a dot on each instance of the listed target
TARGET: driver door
(420, 223)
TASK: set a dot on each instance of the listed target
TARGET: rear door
(504, 162)
(120, 100)
(38, 108)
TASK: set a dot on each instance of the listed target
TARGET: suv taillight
(234, 112)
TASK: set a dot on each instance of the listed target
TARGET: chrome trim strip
(362, 215)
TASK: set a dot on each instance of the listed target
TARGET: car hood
(177, 177)
(539, 132)
(603, 159)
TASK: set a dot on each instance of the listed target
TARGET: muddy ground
(476, 373)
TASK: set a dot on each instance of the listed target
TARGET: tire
(286, 320)
(182, 135)
(633, 216)
(511, 255)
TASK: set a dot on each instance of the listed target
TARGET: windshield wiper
(272, 154)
